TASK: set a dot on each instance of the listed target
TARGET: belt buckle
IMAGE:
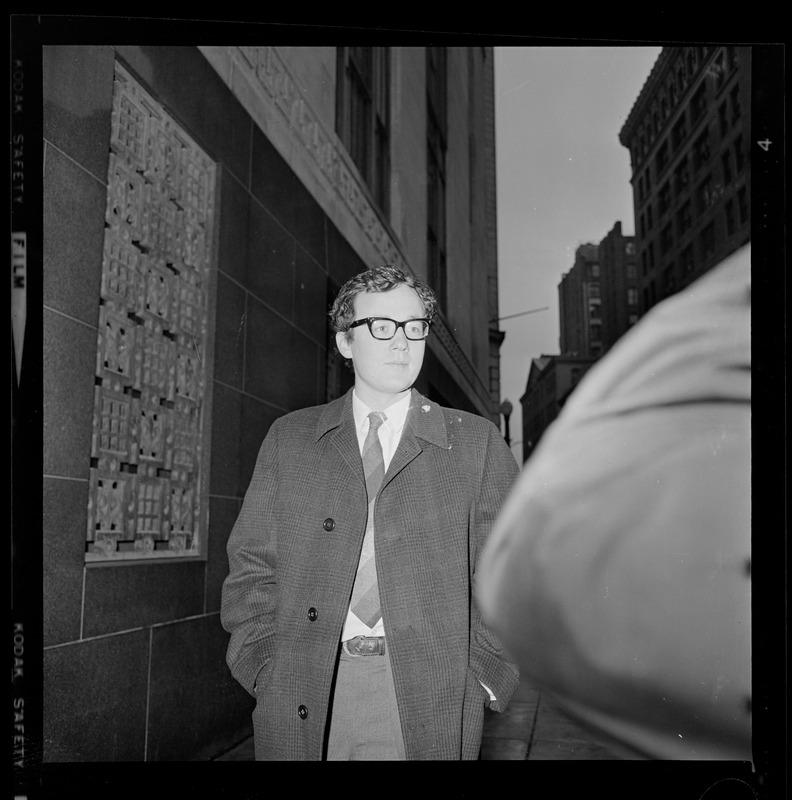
(364, 646)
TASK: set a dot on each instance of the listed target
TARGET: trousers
(364, 721)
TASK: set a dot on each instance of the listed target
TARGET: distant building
(552, 377)
(580, 305)
(619, 285)
(689, 135)
(550, 381)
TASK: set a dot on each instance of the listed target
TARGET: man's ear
(342, 343)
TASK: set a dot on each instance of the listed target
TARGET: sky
(563, 179)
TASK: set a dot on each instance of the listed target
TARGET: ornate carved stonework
(273, 79)
(146, 455)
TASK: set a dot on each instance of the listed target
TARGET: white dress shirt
(390, 435)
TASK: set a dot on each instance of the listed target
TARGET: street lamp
(506, 409)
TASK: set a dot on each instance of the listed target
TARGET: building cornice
(644, 96)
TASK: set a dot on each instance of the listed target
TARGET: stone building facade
(689, 137)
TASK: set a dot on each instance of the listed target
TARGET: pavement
(531, 728)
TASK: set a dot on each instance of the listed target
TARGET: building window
(718, 70)
(363, 115)
(735, 104)
(594, 270)
(684, 218)
(494, 380)
(698, 103)
(723, 119)
(701, 150)
(704, 194)
(436, 103)
(664, 197)
(742, 204)
(649, 217)
(629, 249)
(148, 462)
(690, 63)
(726, 168)
(632, 296)
(708, 241)
(669, 281)
(739, 154)
(679, 132)
(687, 261)
(729, 213)
(632, 271)
(666, 239)
(681, 176)
(661, 160)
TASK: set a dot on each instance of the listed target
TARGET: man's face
(384, 369)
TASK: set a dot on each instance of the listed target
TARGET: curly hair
(376, 279)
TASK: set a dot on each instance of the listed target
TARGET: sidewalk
(533, 729)
(530, 728)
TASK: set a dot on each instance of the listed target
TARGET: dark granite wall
(134, 654)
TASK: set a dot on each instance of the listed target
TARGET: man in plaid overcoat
(414, 683)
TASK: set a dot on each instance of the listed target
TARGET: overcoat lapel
(425, 423)
(338, 423)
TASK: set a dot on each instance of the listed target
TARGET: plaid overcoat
(293, 554)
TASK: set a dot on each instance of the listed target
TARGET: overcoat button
(302, 712)
(312, 614)
(329, 524)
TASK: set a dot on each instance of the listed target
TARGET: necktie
(365, 595)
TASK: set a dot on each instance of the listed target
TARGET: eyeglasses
(384, 328)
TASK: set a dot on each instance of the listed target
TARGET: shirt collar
(396, 413)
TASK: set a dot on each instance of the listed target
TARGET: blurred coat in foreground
(618, 572)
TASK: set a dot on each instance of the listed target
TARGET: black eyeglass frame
(370, 320)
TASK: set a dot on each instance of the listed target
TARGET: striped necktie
(365, 595)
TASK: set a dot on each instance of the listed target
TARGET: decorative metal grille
(145, 496)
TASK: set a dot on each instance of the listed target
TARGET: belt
(364, 646)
